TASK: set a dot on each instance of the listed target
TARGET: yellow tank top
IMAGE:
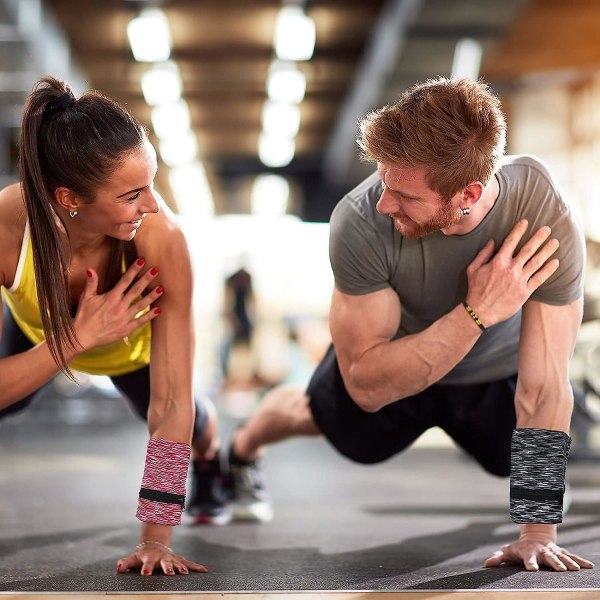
(117, 358)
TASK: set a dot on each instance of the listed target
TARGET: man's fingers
(540, 257)
(542, 275)
(483, 256)
(531, 564)
(551, 560)
(568, 561)
(582, 562)
(533, 244)
(512, 240)
(495, 560)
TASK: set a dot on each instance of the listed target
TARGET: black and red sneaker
(208, 500)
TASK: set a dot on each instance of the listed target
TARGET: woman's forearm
(24, 373)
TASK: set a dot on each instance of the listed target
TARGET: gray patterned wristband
(537, 475)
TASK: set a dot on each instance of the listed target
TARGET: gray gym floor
(70, 470)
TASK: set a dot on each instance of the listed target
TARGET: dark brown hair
(75, 143)
(454, 128)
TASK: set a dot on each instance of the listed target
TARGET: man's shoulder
(526, 165)
(361, 199)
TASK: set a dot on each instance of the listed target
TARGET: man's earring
(465, 211)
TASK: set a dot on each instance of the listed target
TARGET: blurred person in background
(87, 249)
(457, 302)
(239, 307)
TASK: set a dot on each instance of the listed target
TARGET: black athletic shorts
(135, 386)
(480, 418)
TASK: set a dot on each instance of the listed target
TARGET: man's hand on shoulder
(501, 282)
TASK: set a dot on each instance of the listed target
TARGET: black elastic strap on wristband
(159, 496)
(520, 493)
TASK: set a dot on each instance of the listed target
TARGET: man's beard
(445, 217)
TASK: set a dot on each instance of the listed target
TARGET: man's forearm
(549, 408)
(401, 368)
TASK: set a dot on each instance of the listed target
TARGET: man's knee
(291, 403)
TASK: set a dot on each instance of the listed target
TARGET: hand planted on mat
(536, 551)
(105, 318)
(147, 559)
(500, 283)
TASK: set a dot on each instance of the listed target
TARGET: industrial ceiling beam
(372, 74)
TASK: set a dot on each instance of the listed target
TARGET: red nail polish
(153, 271)
(89, 273)
(140, 262)
(157, 311)
(160, 289)
(145, 572)
(169, 570)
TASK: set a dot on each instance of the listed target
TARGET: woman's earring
(73, 213)
(465, 211)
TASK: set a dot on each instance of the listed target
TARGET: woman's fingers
(91, 284)
(137, 288)
(129, 276)
(170, 564)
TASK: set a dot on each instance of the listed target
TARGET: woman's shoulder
(160, 232)
(12, 225)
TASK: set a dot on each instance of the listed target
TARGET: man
(447, 285)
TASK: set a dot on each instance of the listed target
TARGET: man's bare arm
(378, 371)
(544, 400)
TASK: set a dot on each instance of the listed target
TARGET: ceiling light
(286, 83)
(191, 190)
(270, 195)
(275, 151)
(161, 84)
(467, 59)
(178, 149)
(149, 36)
(294, 34)
(283, 119)
(171, 119)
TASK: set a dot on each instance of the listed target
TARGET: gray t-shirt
(429, 274)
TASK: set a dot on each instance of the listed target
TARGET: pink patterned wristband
(162, 494)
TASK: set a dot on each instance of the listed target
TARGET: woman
(87, 250)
